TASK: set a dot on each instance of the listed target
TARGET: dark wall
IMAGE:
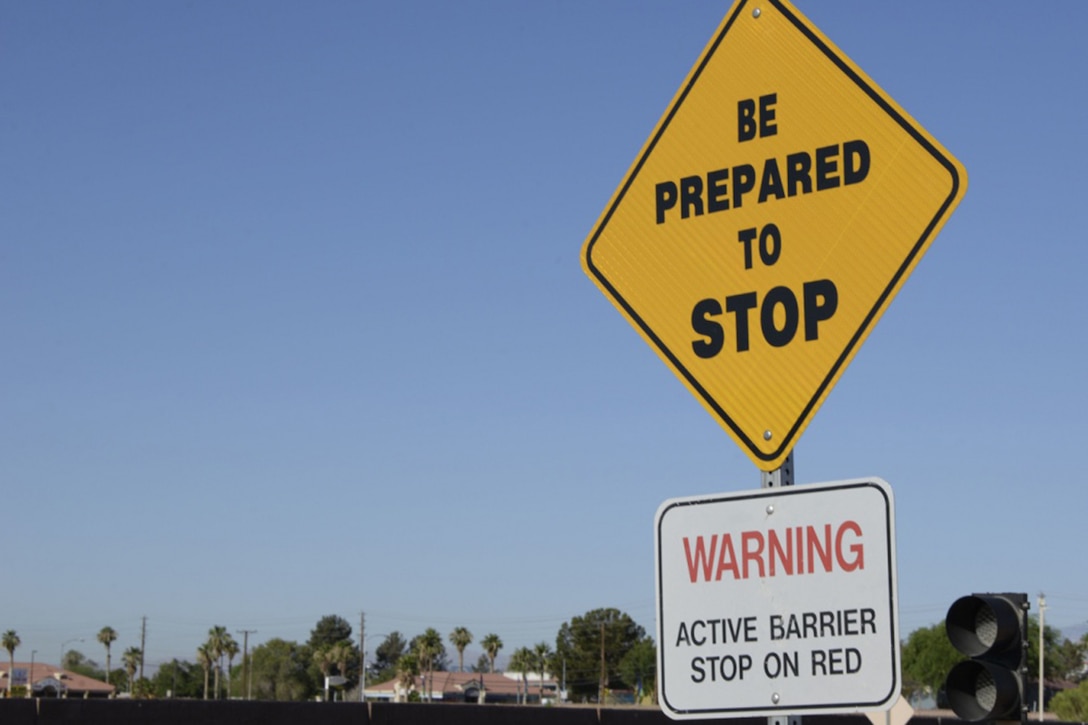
(199, 712)
(183, 712)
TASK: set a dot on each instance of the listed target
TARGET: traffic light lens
(986, 626)
(980, 691)
(986, 690)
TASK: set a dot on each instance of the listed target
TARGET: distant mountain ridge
(1073, 632)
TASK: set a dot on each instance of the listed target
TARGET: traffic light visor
(980, 625)
(981, 691)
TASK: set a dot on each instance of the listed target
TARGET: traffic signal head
(992, 630)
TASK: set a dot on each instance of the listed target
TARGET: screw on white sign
(778, 601)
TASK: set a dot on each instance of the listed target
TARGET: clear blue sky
(294, 322)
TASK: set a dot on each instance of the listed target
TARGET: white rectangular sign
(778, 601)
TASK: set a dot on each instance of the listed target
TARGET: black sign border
(786, 443)
(792, 708)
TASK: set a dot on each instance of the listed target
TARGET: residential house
(50, 681)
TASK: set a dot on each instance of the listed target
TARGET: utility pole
(1042, 648)
(604, 672)
(362, 657)
(245, 657)
(143, 640)
(564, 693)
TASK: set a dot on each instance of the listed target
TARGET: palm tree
(107, 636)
(205, 659)
(542, 652)
(428, 646)
(11, 642)
(491, 644)
(460, 638)
(341, 653)
(522, 661)
(217, 641)
(407, 669)
(132, 658)
(230, 649)
(324, 659)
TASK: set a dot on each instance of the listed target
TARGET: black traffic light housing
(991, 629)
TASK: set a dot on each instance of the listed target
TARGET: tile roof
(73, 681)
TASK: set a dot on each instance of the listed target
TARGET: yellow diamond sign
(775, 211)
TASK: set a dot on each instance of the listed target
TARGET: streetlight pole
(30, 676)
(362, 676)
(60, 665)
(65, 643)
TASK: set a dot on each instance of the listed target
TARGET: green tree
(76, 661)
(1071, 705)
(205, 658)
(142, 688)
(1052, 666)
(638, 667)
(10, 640)
(280, 671)
(483, 663)
(926, 659)
(132, 658)
(579, 643)
(1068, 659)
(117, 674)
(107, 636)
(387, 655)
(329, 630)
(177, 678)
(460, 638)
(491, 644)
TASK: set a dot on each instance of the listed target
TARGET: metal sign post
(779, 477)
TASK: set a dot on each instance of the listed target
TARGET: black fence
(182, 712)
